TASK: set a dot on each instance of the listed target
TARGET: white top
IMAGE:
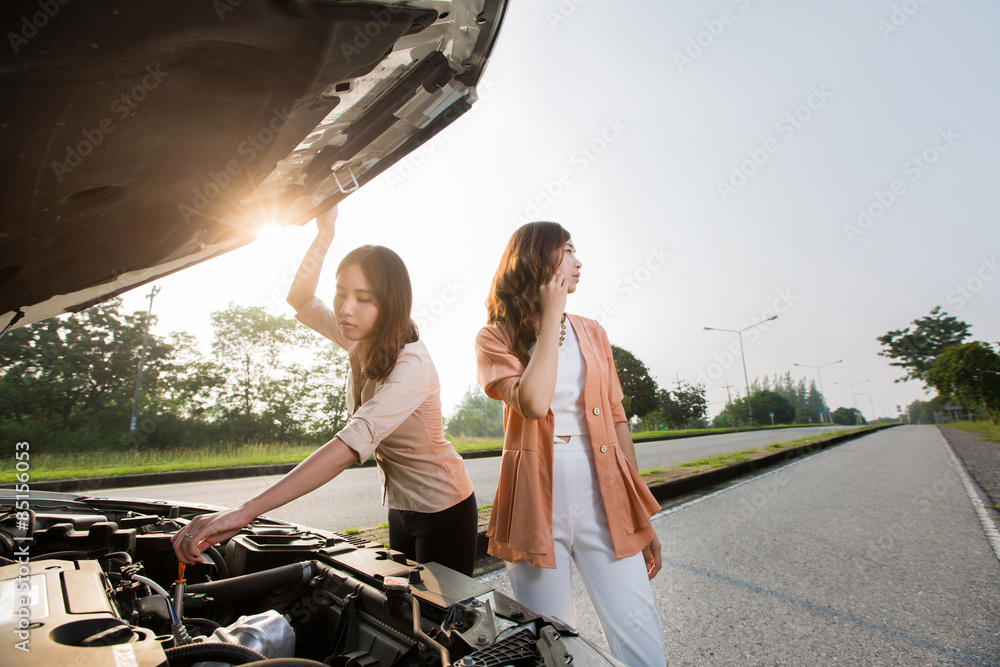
(399, 420)
(567, 401)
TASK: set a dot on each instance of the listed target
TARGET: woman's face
(569, 266)
(355, 305)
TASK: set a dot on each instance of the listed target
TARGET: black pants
(447, 537)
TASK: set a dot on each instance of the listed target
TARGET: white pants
(619, 589)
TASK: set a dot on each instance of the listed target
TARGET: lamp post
(820, 375)
(739, 334)
(855, 394)
(871, 403)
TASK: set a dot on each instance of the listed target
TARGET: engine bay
(90, 581)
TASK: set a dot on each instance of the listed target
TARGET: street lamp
(871, 403)
(739, 334)
(852, 386)
(821, 377)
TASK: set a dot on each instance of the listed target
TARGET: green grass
(747, 454)
(808, 439)
(476, 444)
(720, 460)
(46, 467)
(983, 428)
(683, 433)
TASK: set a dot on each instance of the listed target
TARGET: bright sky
(716, 163)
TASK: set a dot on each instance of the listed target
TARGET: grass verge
(984, 428)
(51, 467)
(689, 468)
(687, 433)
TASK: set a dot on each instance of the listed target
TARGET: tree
(766, 402)
(922, 412)
(847, 417)
(816, 402)
(969, 373)
(683, 405)
(323, 407)
(76, 375)
(805, 416)
(734, 415)
(915, 349)
(477, 416)
(256, 385)
(637, 384)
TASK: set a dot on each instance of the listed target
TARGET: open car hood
(78, 578)
(140, 138)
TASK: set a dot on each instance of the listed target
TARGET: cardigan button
(597, 411)
(604, 448)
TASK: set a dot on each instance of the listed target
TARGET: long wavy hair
(529, 261)
(390, 285)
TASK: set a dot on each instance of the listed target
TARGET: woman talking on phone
(394, 395)
(568, 487)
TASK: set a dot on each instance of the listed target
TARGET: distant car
(140, 138)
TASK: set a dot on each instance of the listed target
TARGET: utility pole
(142, 359)
(728, 387)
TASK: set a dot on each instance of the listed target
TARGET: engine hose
(190, 654)
(197, 622)
(256, 584)
(286, 662)
(218, 561)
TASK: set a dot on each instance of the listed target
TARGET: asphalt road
(353, 499)
(870, 553)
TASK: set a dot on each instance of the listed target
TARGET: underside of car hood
(139, 138)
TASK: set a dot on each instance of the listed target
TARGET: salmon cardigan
(521, 521)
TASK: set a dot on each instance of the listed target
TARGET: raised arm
(307, 277)
(538, 382)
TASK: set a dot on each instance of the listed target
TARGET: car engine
(91, 581)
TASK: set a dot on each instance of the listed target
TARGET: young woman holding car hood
(394, 396)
